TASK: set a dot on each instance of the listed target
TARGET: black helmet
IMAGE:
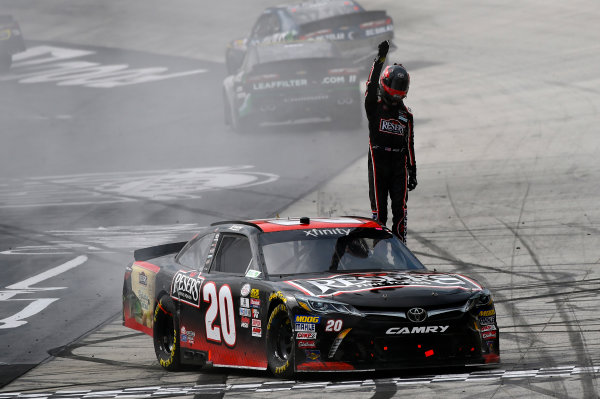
(393, 84)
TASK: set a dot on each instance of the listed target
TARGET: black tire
(165, 334)
(5, 61)
(232, 63)
(280, 343)
(226, 109)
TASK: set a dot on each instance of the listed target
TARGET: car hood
(387, 290)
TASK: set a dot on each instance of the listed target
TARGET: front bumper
(380, 343)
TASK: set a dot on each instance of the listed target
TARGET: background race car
(292, 295)
(356, 31)
(293, 81)
(11, 41)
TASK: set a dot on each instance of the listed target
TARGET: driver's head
(393, 85)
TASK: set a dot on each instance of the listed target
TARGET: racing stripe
(374, 173)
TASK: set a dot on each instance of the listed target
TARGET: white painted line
(33, 308)
(25, 284)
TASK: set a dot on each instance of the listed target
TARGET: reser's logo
(416, 330)
(186, 289)
(391, 126)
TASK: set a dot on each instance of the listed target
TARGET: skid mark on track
(575, 337)
(463, 267)
(455, 209)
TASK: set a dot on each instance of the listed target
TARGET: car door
(186, 286)
(223, 326)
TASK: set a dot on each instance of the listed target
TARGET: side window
(274, 24)
(233, 256)
(195, 255)
(267, 24)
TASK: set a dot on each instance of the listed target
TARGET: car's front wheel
(166, 327)
(280, 343)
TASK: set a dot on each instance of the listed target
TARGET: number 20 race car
(298, 295)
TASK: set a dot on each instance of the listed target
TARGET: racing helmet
(393, 84)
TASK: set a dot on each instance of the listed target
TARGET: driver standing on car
(392, 166)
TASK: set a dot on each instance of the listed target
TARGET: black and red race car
(355, 30)
(11, 41)
(296, 295)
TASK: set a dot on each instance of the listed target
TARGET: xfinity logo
(327, 232)
(417, 330)
(391, 126)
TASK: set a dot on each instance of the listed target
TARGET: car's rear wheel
(165, 333)
(280, 343)
(232, 63)
(5, 60)
(226, 109)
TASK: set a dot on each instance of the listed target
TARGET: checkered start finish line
(272, 386)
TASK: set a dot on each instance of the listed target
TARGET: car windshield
(335, 250)
(312, 12)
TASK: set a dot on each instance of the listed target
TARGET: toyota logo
(417, 315)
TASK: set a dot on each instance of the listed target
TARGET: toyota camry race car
(355, 30)
(284, 82)
(11, 41)
(297, 295)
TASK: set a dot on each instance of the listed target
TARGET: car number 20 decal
(219, 305)
(333, 325)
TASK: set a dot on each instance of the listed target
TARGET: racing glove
(383, 49)
(412, 178)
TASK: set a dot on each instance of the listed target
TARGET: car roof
(305, 223)
(318, 3)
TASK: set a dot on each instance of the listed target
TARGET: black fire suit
(391, 154)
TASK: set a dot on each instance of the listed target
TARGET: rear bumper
(288, 106)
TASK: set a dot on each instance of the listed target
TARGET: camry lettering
(417, 330)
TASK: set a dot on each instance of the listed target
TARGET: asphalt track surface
(506, 100)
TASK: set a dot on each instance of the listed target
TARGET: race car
(11, 41)
(305, 295)
(356, 31)
(284, 82)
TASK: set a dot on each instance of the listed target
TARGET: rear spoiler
(342, 20)
(158, 251)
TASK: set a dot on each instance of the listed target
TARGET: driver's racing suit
(391, 154)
